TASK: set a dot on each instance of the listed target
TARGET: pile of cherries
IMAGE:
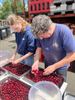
(38, 76)
(1, 71)
(17, 69)
(13, 89)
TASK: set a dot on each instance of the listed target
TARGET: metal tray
(3, 72)
(58, 80)
(69, 97)
(15, 70)
(11, 87)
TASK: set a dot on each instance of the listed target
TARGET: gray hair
(41, 24)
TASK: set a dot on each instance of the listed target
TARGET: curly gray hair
(41, 24)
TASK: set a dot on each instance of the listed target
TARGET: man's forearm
(37, 55)
(36, 59)
(66, 60)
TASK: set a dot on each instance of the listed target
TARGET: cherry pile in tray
(17, 69)
(58, 80)
(1, 71)
(13, 89)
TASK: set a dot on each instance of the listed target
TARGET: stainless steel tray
(12, 73)
(3, 72)
(11, 87)
(69, 97)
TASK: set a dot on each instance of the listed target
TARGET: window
(39, 6)
(35, 7)
(31, 8)
(47, 5)
(43, 6)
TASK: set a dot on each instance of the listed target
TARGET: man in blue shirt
(56, 43)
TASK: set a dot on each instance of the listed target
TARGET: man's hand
(35, 66)
(49, 70)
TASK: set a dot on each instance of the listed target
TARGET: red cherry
(52, 77)
(35, 72)
(17, 69)
(13, 89)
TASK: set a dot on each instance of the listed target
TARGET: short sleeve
(68, 40)
(31, 41)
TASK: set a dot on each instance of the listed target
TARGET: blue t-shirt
(58, 45)
(25, 41)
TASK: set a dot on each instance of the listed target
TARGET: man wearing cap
(57, 44)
